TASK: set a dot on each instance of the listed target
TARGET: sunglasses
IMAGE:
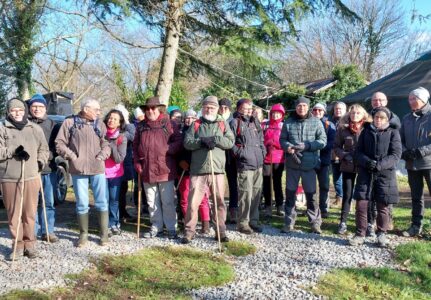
(147, 108)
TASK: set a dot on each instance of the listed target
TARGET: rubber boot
(83, 230)
(103, 218)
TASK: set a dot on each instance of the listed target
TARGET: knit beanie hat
(302, 99)
(225, 102)
(320, 105)
(190, 113)
(383, 109)
(15, 103)
(37, 98)
(421, 93)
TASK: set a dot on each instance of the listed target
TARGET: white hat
(320, 105)
(138, 112)
(421, 93)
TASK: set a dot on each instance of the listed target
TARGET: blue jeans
(98, 186)
(337, 178)
(113, 195)
(49, 182)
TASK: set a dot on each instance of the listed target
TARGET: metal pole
(215, 201)
(44, 208)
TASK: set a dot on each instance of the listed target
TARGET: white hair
(88, 102)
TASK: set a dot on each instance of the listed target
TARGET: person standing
(81, 141)
(322, 170)
(249, 152)
(274, 159)
(23, 154)
(302, 137)
(212, 134)
(346, 139)
(37, 105)
(377, 154)
(157, 142)
(415, 136)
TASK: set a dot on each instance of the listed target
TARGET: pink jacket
(272, 131)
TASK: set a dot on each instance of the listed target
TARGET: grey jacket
(248, 150)
(416, 134)
(308, 130)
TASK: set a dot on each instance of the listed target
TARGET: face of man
(246, 109)
(378, 100)
(189, 120)
(38, 110)
(152, 113)
(339, 110)
(209, 112)
(92, 111)
(318, 112)
(415, 103)
(302, 109)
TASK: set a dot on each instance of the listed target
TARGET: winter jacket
(298, 130)
(184, 155)
(155, 146)
(271, 137)
(248, 149)
(201, 163)
(129, 134)
(32, 138)
(114, 165)
(50, 130)
(325, 153)
(383, 146)
(82, 142)
(344, 148)
(416, 134)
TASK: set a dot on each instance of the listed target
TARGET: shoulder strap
(197, 124)
(222, 126)
(238, 127)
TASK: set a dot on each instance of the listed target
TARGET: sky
(422, 7)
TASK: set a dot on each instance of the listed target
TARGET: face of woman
(113, 121)
(17, 114)
(275, 115)
(356, 115)
(380, 119)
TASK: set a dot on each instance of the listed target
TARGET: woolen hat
(210, 100)
(421, 93)
(302, 99)
(15, 103)
(383, 109)
(320, 105)
(242, 101)
(190, 113)
(153, 101)
(225, 102)
(37, 98)
(138, 112)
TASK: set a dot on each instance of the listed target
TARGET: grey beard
(210, 118)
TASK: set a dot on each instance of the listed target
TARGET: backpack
(220, 124)
(78, 123)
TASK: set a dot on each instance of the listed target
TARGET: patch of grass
(24, 295)
(412, 280)
(239, 248)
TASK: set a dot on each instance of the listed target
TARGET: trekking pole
(20, 210)
(181, 178)
(44, 208)
(215, 201)
(271, 182)
(139, 205)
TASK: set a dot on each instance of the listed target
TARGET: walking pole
(181, 178)
(139, 205)
(271, 183)
(44, 208)
(215, 201)
(20, 209)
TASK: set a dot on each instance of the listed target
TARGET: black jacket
(383, 146)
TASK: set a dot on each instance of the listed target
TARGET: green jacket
(201, 163)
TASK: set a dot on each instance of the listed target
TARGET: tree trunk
(170, 51)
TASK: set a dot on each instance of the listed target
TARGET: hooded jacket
(271, 136)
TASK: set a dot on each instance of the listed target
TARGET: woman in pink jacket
(274, 158)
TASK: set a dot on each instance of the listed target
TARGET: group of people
(186, 156)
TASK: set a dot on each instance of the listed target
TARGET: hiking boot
(115, 231)
(172, 234)
(18, 255)
(256, 228)
(325, 214)
(245, 229)
(287, 229)
(103, 218)
(357, 240)
(413, 230)
(268, 211)
(280, 211)
(31, 253)
(52, 238)
(205, 227)
(233, 215)
(342, 228)
(382, 241)
(370, 231)
(83, 230)
(152, 233)
(315, 228)
(223, 237)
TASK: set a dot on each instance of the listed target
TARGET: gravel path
(282, 265)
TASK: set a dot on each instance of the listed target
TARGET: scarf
(18, 124)
(112, 133)
(355, 127)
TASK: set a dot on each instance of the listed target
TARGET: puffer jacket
(325, 153)
(344, 148)
(33, 140)
(155, 146)
(201, 163)
(383, 146)
(248, 149)
(416, 134)
(298, 130)
(84, 148)
(271, 136)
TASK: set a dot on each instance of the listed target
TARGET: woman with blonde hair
(346, 139)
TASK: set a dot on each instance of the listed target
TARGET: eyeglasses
(147, 108)
(37, 106)
(17, 110)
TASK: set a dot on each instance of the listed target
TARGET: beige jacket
(85, 150)
(32, 138)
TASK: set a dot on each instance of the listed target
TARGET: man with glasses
(81, 141)
(38, 115)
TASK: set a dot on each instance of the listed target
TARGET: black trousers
(416, 183)
(348, 185)
(277, 173)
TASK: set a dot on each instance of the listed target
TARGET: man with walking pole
(208, 142)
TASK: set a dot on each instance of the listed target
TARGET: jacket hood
(278, 107)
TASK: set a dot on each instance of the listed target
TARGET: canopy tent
(397, 85)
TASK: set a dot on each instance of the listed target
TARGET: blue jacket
(330, 130)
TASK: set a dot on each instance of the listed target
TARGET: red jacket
(154, 148)
(272, 131)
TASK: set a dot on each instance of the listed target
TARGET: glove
(296, 158)
(302, 146)
(409, 155)
(371, 165)
(138, 168)
(208, 142)
(184, 165)
(39, 166)
(21, 154)
(418, 154)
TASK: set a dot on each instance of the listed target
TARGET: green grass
(239, 248)
(24, 295)
(412, 280)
